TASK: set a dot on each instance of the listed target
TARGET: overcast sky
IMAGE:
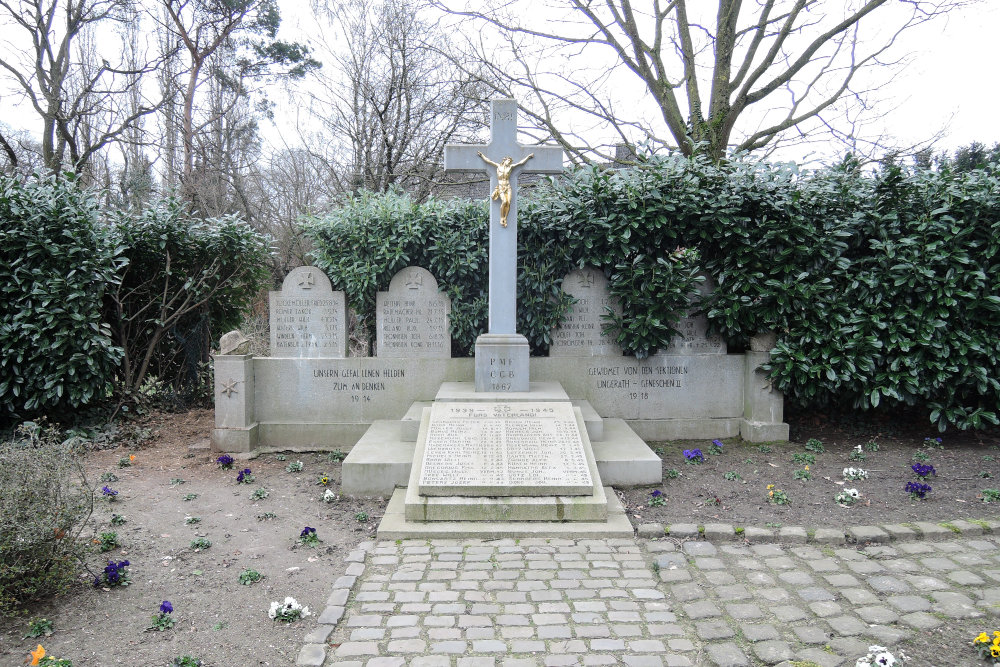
(950, 83)
(952, 80)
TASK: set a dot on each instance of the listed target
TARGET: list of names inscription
(504, 449)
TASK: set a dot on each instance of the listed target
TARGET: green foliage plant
(57, 263)
(45, 503)
(883, 286)
(187, 279)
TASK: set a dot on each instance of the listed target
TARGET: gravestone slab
(308, 319)
(412, 317)
(504, 449)
(694, 338)
(581, 333)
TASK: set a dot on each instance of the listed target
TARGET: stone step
(593, 507)
(624, 459)
(395, 525)
(379, 462)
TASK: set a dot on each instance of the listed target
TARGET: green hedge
(56, 262)
(89, 309)
(188, 280)
(882, 287)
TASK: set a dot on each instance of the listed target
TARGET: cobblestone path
(651, 602)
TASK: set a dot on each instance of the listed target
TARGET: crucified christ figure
(503, 191)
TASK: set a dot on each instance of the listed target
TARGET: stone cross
(503, 238)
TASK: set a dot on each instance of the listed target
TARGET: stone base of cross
(502, 354)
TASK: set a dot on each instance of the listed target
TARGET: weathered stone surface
(308, 319)
(582, 334)
(412, 317)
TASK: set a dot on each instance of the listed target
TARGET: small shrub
(672, 473)
(189, 497)
(857, 454)
(361, 517)
(991, 495)
(871, 446)
(921, 456)
(267, 516)
(260, 494)
(126, 461)
(45, 503)
(336, 456)
(201, 544)
(800, 457)
(294, 466)
(109, 477)
(656, 499)
(803, 474)
(117, 520)
(732, 476)
(764, 449)
(192, 520)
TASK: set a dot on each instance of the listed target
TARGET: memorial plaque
(412, 317)
(582, 332)
(308, 319)
(504, 449)
(694, 338)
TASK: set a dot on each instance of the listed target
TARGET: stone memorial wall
(307, 318)
(412, 317)
(309, 395)
(694, 338)
(582, 332)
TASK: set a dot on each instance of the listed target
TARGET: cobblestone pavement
(651, 602)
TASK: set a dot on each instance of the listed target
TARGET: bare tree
(76, 91)
(393, 100)
(246, 30)
(754, 74)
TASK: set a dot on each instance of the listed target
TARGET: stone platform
(382, 459)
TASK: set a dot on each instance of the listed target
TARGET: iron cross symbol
(503, 238)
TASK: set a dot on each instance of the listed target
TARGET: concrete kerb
(722, 533)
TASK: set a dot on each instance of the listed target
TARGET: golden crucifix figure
(503, 191)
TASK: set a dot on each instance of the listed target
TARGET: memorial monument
(502, 445)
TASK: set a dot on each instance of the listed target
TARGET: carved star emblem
(229, 388)
(414, 281)
(307, 281)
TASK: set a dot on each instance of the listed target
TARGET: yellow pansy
(983, 638)
(770, 486)
(995, 651)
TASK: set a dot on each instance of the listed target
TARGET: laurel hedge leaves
(56, 262)
(78, 284)
(883, 286)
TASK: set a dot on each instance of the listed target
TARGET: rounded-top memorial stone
(308, 319)
(412, 317)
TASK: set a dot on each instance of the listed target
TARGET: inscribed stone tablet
(581, 333)
(694, 338)
(308, 319)
(412, 317)
(504, 449)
